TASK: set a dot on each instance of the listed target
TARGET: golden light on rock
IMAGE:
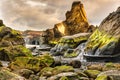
(61, 28)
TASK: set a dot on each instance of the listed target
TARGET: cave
(35, 42)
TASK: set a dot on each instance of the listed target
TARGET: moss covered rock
(7, 75)
(106, 39)
(48, 71)
(26, 73)
(11, 52)
(69, 42)
(14, 37)
(103, 77)
(92, 73)
(32, 63)
(65, 76)
(98, 67)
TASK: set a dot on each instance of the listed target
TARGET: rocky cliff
(11, 43)
(106, 39)
(76, 22)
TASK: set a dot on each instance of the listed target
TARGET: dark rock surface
(11, 44)
(106, 39)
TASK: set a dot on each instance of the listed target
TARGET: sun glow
(61, 28)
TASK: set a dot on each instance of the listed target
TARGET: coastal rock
(26, 73)
(7, 75)
(112, 75)
(75, 22)
(11, 44)
(92, 73)
(106, 39)
(69, 42)
(65, 76)
(48, 71)
(33, 63)
(11, 52)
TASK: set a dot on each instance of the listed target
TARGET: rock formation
(106, 39)
(76, 22)
(11, 44)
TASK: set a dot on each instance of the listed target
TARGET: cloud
(43, 14)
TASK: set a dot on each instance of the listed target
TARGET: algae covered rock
(48, 71)
(65, 76)
(11, 44)
(32, 63)
(111, 75)
(14, 37)
(105, 41)
(26, 73)
(11, 52)
(7, 75)
(69, 42)
(92, 73)
(103, 77)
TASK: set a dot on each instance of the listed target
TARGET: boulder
(104, 77)
(7, 75)
(112, 75)
(48, 71)
(14, 37)
(67, 76)
(26, 73)
(106, 39)
(92, 73)
(11, 44)
(32, 63)
(69, 42)
(11, 52)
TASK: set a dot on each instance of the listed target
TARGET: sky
(43, 14)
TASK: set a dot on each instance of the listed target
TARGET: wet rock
(32, 63)
(65, 76)
(106, 39)
(48, 71)
(26, 73)
(34, 77)
(95, 67)
(75, 64)
(11, 44)
(13, 36)
(104, 77)
(113, 74)
(1, 64)
(1, 23)
(92, 73)
(11, 52)
(69, 42)
(7, 75)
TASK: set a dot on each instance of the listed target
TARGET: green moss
(70, 55)
(48, 71)
(32, 63)
(100, 39)
(110, 64)
(92, 73)
(102, 77)
(64, 78)
(1, 28)
(10, 53)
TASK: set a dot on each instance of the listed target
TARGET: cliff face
(76, 22)
(106, 39)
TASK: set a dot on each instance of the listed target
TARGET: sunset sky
(43, 14)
